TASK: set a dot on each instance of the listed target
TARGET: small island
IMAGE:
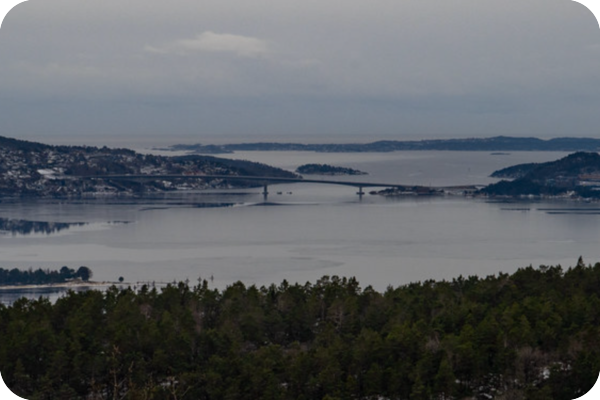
(325, 169)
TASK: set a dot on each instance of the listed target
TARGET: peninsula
(40, 170)
(576, 175)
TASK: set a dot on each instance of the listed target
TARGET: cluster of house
(51, 171)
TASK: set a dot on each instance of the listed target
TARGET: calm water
(314, 231)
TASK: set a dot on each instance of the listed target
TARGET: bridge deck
(264, 180)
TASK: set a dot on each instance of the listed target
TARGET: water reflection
(24, 227)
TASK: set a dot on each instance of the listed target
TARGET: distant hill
(576, 174)
(41, 170)
(24, 145)
(498, 143)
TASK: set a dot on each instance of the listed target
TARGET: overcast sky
(290, 68)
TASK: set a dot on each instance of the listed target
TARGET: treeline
(236, 167)
(497, 143)
(42, 276)
(534, 334)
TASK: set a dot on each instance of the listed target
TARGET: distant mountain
(576, 174)
(36, 169)
(498, 143)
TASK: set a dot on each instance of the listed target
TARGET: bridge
(266, 180)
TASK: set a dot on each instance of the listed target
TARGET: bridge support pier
(265, 192)
(360, 192)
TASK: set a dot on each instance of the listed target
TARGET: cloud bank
(329, 67)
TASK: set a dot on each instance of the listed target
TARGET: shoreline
(91, 284)
(65, 285)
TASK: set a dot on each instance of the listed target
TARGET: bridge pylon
(360, 192)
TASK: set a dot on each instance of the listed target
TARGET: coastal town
(40, 170)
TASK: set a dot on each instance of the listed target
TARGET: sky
(289, 69)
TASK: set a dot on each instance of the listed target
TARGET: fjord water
(305, 231)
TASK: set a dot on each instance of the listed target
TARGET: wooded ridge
(496, 143)
(534, 334)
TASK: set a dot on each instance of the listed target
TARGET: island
(326, 169)
(574, 176)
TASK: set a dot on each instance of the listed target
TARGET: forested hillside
(534, 334)
(576, 175)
